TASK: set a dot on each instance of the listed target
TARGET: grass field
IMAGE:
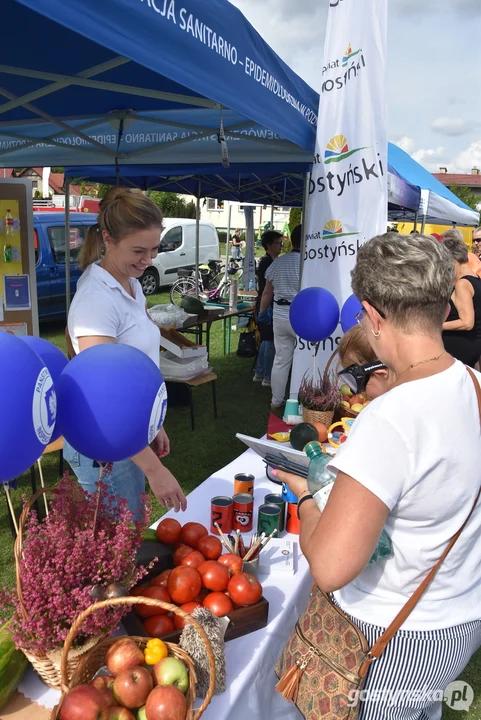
(243, 407)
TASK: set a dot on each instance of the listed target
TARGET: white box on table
(278, 556)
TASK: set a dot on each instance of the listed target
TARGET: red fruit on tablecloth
(214, 575)
(210, 547)
(155, 593)
(194, 559)
(184, 584)
(192, 532)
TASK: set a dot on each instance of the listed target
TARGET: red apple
(122, 655)
(84, 702)
(103, 682)
(120, 713)
(108, 694)
(132, 687)
(166, 703)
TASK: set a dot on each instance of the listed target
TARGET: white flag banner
(348, 187)
(249, 274)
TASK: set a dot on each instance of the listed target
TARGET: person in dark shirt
(272, 244)
(236, 245)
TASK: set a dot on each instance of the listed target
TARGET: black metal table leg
(214, 398)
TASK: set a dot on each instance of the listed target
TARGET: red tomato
(244, 589)
(156, 593)
(231, 561)
(179, 622)
(160, 580)
(138, 590)
(168, 531)
(181, 553)
(184, 584)
(214, 575)
(218, 603)
(192, 532)
(210, 547)
(200, 597)
(158, 625)
(193, 559)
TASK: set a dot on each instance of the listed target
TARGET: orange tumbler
(293, 524)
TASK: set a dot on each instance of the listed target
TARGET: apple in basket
(84, 702)
(120, 713)
(132, 687)
(122, 655)
(171, 671)
(166, 703)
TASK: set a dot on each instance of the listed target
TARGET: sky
(434, 69)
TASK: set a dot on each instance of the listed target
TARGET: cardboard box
(179, 345)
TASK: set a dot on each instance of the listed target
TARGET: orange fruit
(322, 431)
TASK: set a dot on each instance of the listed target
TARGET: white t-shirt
(418, 448)
(102, 307)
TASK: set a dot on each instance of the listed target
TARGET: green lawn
(243, 407)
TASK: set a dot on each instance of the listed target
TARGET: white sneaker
(276, 406)
(266, 383)
(258, 379)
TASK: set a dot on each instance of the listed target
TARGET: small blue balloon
(350, 309)
(112, 402)
(55, 362)
(28, 404)
(314, 314)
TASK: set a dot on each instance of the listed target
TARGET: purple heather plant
(322, 394)
(63, 557)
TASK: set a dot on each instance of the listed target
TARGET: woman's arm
(339, 542)
(463, 300)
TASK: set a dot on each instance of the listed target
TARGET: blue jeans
(126, 479)
(265, 359)
(236, 252)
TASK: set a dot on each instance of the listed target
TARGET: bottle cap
(313, 449)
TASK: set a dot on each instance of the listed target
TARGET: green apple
(171, 671)
(345, 390)
(141, 714)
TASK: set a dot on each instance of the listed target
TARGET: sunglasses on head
(357, 376)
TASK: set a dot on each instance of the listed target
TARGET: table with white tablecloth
(251, 658)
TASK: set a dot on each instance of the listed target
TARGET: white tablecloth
(251, 658)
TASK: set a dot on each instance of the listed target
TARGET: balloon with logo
(314, 314)
(350, 309)
(54, 360)
(28, 407)
(112, 402)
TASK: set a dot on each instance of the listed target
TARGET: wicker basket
(91, 662)
(320, 416)
(48, 665)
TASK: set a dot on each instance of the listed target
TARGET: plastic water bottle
(320, 482)
(319, 479)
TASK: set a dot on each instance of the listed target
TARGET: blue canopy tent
(438, 204)
(155, 80)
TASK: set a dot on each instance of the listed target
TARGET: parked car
(49, 244)
(177, 250)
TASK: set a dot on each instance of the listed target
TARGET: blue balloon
(112, 402)
(54, 360)
(28, 407)
(314, 314)
(350, 309)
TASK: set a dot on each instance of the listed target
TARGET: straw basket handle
(329, 362)
(140, 601)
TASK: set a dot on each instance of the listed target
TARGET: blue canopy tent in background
(120, 81)
(438, 204)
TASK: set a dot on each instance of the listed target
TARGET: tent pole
(67, 244)
(227, 240)
(197, 241)
(272, 217)
(425, 210)
(415, 228)
(305, 205)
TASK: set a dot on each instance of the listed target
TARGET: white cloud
(451, 126)
(430, 158)
(469, 158)
(406, 143)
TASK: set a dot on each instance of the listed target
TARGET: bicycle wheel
(180, 289)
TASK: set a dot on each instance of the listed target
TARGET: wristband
(306, 497)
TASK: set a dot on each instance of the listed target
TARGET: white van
(177, 250)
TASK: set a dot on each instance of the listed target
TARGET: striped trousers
(408, 681)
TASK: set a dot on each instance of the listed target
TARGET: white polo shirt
(102, 307)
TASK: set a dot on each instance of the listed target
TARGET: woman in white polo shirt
(411, 466)
(109, 306)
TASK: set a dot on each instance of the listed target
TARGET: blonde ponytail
(122, 211)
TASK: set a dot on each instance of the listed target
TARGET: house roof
(459, 179)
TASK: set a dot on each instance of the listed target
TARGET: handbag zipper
(350, 677)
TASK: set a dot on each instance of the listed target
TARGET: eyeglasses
(360, 315)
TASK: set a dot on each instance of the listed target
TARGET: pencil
(224, 539)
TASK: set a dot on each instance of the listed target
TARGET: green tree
(468, 197)
(102, 190)
(295, 218)
(172, 205)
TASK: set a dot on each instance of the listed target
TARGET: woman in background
(272, 244)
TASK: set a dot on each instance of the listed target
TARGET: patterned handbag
(324, 665)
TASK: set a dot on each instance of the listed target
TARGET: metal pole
(227, 240)
(272, 217)
(305, 205)
(67, 244)
(197, 241)
(415, 228)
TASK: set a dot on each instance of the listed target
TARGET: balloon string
(10, 507)
(42, 483)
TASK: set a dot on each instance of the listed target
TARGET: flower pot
(322, 416)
